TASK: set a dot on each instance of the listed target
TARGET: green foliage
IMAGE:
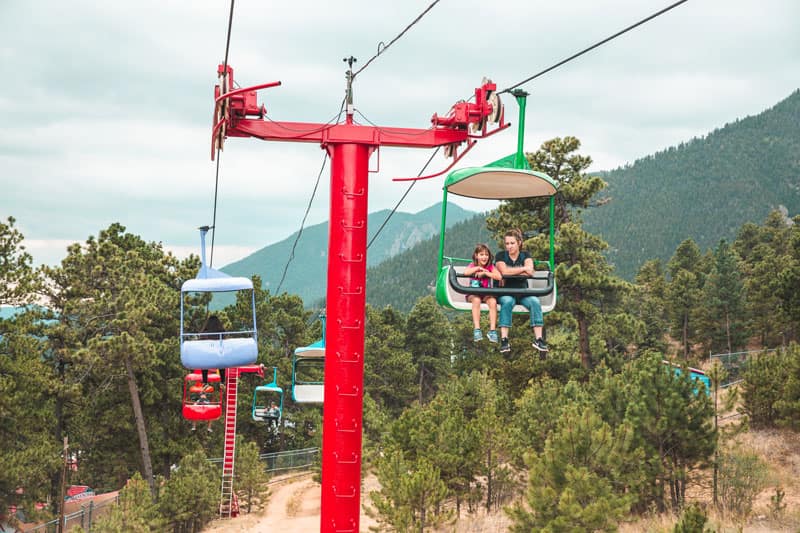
(135, 512)
(411, 494)
(575, 483)
(191, 494)
(462, 432)
(788, 405)
(684, 294)
(788, 278)
(537, 413)
(30, 453)
(693, 520)
(723, 321)
(764, 380)
(672, 424)
(390, 373)
(742, 476)
(18, 280)
(766, 259)
(428, 339)
(771, 389)
(251, 477)
(648, 302)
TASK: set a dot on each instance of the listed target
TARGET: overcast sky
(106, 106)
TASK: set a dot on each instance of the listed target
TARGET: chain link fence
(736, 364)
(82, 517)
(277, 462)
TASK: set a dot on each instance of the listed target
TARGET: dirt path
(294, 505)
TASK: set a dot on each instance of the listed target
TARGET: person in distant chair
(273, 412)
(202, 400)
(213, 325)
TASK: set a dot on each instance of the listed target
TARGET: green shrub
(742, 475)
(693, 520)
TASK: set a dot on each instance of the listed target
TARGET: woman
(513, 261)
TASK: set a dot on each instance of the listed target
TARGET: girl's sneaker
(477, 335)
(505, 347)
(492, 335)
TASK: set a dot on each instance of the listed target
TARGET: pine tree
(683, 293)
(251, 477)
(723, 322)
(789, 280)
(446, 433)
(428, 339)
(764, 389)
(672, 424)
(30, 454)
(537, 412)
(390, 375)
(765, 254)
(191, 494)
(585, 283)
(650, 304)
(135, 512)
(18, 280)
(577, 482)
(411, 494)
(116, 299)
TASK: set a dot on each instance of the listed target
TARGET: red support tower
(349, 147)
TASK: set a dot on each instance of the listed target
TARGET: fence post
(91, 509)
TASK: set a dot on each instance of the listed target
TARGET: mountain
(306, 275)
(705, 188)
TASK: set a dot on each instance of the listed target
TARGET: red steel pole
(344, 338)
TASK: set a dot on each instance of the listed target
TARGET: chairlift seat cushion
(310, 352)
(308, 393)
(448, 296)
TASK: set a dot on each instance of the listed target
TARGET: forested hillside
(403, 279)
(306, 276)
(705, 188)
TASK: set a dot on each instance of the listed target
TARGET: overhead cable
(302, 224)
(216, 177)
(402, 198)
(570, 58)
(384, 48)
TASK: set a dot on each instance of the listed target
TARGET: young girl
(482, 271)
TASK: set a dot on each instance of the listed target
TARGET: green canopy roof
(500, 181)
